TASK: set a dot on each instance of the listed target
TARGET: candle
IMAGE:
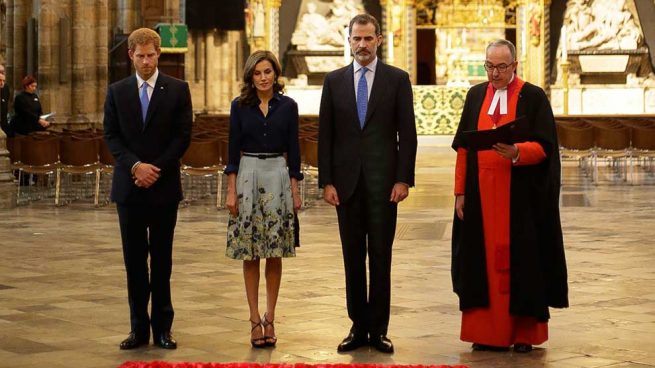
(563, 43)
(390, 47)
(464, 37)
(346, 47)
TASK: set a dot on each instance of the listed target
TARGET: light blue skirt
(264, 226)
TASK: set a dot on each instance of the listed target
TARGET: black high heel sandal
(258, 342)
(269, 340)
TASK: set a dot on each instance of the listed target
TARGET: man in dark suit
(4, 101)
(147, 128)
(367, 153)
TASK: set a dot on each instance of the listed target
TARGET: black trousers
(367, 225)
(148, 230)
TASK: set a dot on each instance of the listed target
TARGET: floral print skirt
(264, 226)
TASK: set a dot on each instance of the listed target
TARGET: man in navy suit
(367, 153)
(148, 128)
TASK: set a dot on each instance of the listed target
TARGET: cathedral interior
(62, 293)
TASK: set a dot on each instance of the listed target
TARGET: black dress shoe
(352, 342)
(522, 348)
(133, 341)
(482, 347)
(165, 341)
(382, 343)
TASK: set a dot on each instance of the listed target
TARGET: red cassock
(494, 325)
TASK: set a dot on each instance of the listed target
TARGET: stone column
(9, 56)
(7, 185)
(537, 13)
(273, 26)
(51, 96)
(83, 95)
(21, 9)
(398, 31)
(127, 15)
(102, 59)
(220, 70)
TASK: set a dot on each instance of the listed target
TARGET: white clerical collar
(371, 66)
(151, 81)
(500, 96)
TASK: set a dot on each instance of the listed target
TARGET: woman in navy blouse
(262, 189)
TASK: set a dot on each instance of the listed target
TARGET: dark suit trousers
(367, 218)
(148, 229)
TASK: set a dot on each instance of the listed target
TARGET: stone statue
(315, 33)
(325, 32)
(259, 20)
(601, 24)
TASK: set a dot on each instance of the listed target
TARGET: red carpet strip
(157, 364)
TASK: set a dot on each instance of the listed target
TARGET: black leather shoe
(382, 343)
(522, 348)
(133, 341)
(482, 347)
(352, 342)
(165, 341)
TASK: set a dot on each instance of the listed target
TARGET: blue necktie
(362, 97)
(144, 101)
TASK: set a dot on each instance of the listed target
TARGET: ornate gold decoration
(438, 108)
(466, 13)
(535, 16)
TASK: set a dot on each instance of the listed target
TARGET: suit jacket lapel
(157, 95)
(378, 88)
(134, 103)
(349, 86)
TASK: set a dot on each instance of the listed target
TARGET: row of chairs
(207, 155)
(70, 165)
(624, 146)
(60, 165)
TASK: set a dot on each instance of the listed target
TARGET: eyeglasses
(502, 68)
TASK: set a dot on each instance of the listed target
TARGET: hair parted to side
(143, 36)
(501, 42)
(248, 91)
(29, 79)
(365, 19)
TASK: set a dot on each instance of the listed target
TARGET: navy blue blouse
(251, 131)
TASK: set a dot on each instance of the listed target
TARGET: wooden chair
(78, 157)
(105, 166)
(39, 155)
(576, 142)
(202, 161)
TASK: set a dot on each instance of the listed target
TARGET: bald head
(2, 69)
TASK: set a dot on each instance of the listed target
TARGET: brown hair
(143, 36)
(28, 80)
(248, 91)
(365, 19)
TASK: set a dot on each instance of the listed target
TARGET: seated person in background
(27, 108)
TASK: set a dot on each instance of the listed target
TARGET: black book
(515, 131)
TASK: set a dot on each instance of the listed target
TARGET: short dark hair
(248, 91)
(501, 42)
(365, 19)
(28, 80)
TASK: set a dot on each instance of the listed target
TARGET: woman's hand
(231, 203)
(297, 201)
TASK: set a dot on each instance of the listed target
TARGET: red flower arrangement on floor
(157, 364)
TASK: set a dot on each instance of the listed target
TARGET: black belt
(262, 156)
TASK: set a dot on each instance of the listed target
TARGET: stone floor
(63, 298)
